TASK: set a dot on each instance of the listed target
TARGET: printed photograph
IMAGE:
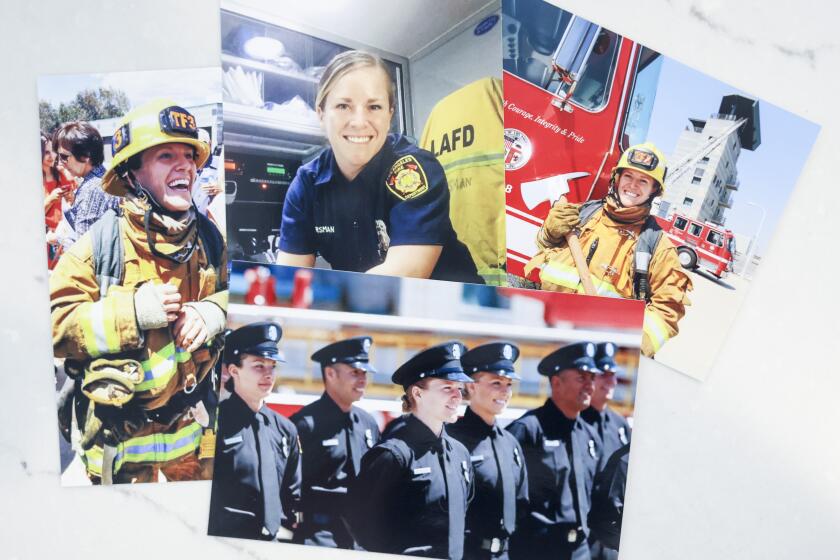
(424, 418)
(630, 175)
(366, 144)
(138, 270)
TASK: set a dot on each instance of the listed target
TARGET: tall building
(704, 164)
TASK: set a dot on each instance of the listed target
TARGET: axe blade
(551, 188)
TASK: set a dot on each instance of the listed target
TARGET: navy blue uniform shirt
(562, 456)
(399, 198)
(615, 432)
(501, 485)
(412, 492)
(332, 443)
(608, 503)
(236, 500)
(612, 427)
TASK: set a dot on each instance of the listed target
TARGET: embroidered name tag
(232, 440)
(476, 458)
(330, 442)
(551, 443)
(422, 470)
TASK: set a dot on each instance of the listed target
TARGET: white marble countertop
(745, 465)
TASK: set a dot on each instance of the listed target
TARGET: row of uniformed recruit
(550, 485)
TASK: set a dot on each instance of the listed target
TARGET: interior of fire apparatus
(272, 64)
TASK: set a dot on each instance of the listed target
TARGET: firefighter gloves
(561, 220)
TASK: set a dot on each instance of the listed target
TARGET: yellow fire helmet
(157, 122)
(644, 158)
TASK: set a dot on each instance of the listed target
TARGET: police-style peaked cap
(257, 339)
(605, 357)
(495, 357)
(580, 355)
(350, 351)
(442, 362)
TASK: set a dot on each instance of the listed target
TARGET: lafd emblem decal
(518, 149)
(407, 180)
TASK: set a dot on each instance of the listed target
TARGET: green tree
(88, 105)
(48, 116)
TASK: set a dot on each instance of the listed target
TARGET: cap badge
(507, 352)
(456, 351)
(272, 333)
(366, 345)
(590, 349)
(609, 349)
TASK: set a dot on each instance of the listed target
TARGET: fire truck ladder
(691, 160)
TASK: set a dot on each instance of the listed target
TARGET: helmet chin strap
(167, 218)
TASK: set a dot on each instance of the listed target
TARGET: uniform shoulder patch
(406, 179)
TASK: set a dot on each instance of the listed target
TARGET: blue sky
(190, 87)
(768, 175)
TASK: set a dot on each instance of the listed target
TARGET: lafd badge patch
(406, 180)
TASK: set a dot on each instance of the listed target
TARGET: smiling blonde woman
(371, 201)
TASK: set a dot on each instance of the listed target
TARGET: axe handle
(580, 261)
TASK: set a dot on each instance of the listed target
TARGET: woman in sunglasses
(627, 254)
(413, 487)
(371, 201)
(79, 149)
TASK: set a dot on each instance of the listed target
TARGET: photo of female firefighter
(137, 305)
(371, 201)
(413, 487)
(627, 254)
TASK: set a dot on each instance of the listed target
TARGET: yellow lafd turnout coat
(465, 132)
(86, 326)
(612, 266)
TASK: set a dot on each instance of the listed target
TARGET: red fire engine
(576, 96)
(700, 244)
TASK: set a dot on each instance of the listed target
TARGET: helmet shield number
(177, 120)
(643, 159)
(120, 139)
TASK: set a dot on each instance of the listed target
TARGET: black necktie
(506, 488)
(354, 457)
(270, 486)
(576, 476)
(602, 428)
(455, 511)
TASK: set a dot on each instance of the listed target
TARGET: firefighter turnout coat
(608, 241)
(88, 326)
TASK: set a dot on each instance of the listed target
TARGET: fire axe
(553, 189)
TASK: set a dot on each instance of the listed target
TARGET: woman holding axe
(621, 251)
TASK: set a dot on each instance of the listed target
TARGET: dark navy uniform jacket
(554, 526)
(412, 493)
(501, 484)
(608, 502)
(612, 427)
(236, 503)
(399, 198)
(332, 442)
(615, 432)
